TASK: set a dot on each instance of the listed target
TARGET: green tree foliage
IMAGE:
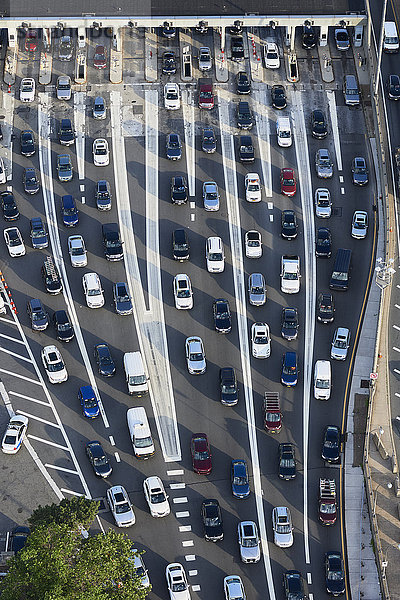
(75, 512)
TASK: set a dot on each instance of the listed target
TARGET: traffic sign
(373, 375)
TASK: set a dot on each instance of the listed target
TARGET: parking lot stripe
(63, 469)
(24, 358)
(12, 339)
(177, 486)
(38, 439)
(175, 472)
(21, 377)
(187, 543)
(183, 514)
(71, 492)
(35, 418)
(30, 398)
(185, 528)
(181, 500)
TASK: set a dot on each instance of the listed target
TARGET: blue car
(240, 479)
(69, 211)
(89, 403)
(289, 369)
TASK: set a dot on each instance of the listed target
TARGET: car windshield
(323, 384)
(229, 389)
(342, 36)
(55, 367)
(64, 327)
(206, 95)
(178, 587)
(290, 276)
(201, 455)
(90, 403)
(157, 498)
(113, 243)
(328, 508)
(215, 256)
(38, 315)
(340, 276)
(335, 575)
(38, 233)
(122, 508)
(222, 314)
(341, 344)
(284, 134)
(10, 440)
(77, 251)
(289, 370)
(324, 162)
(208, 138)
(289, 181)
(94, 292)
(172, 95)
(253, 187)
(240, 480)
(143, 442)
(249, 543)
(331, 444)
(99, 107)
(70, 211)
(279, 93)
(287, 463)
(63, 86)
(183, 294)
(273, 417)
(196, 356)
(272, 54)
(253, 243)
(100, 461)
(14, 240)
(101, 150)
(283, 528)
(137, 379)
(173, 144)
(260, 339)
(257, 290)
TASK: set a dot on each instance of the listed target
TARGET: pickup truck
(272, 412)
(290, 274)
(206, 95)
(327, 508)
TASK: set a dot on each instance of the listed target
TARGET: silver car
(340, 343)
(205, 59)
(210, 196)
(64, 87)
(323, 203)
(195, 356)
(282, 527)
(359, 225)
(77, 251)
(249, 542)
(65, 50)
(257, 289)
(120, 506)
(99, 108)
(323, 164)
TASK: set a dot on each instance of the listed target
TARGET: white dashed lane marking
(185, 528)
(309, 580)
(397, 306)
(117, 457)
(193, 573)
(196, 588)
(396, 371)
(187, 543)
(181, 515)
(175, 472)
(181, 500)
(190, 558)
(177, 486)
(396, 327)
(112, 442)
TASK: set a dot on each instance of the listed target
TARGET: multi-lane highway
(179, 403)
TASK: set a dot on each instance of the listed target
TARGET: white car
(3, 174)
(77, 251)
(27, 89)
(183, 292)
(215, 257)
(249, 542)
(53, 364)
(260, 340)
(156, 497)
(172, 97)
(140, 568)
(282, 527)
(359, 225)
(323, 203)
(253, 187)
(178, 586)
(340, 343)
(120, 506)
(14, 242)
(14, 434)
(290, 274)
(253, 244)
(93, 290)
(101, 153)
(195, 355)
(271, 56)
(63, 87)
(233, 588)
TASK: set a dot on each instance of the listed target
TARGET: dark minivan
(341, 271)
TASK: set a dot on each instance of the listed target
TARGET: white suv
(93, 290)
(215, 255)
(172, 98)
(27, 90)
(54, 365)
(120, 506)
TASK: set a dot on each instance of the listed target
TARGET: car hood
(213, 531)
(250, 553)
(202, 466)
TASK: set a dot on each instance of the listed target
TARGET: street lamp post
(389, 487)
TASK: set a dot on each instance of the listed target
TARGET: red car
(31, 40)
(288, 182)
(201, 454)
(100, 58)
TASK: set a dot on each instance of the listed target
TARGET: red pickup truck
(206, 95)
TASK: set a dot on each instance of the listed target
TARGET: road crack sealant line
(79, 123)
(51, 217)
(263, 134)
(149, 324)
(229, 166)
(310, 274)
(190, 139)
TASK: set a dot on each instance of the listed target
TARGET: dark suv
(244, 116)
(37, 314)
(66, 134)
(103, 195)
(30, 181)
(174, 146)
(208, 141)
(112, 242)
(180, 245)
(246, 149)
(178, 190)
(325, 308)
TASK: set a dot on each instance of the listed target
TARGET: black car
(331, 444)
(122, 299)
(169, 63)
(222, 315)
(30, 181)
(37, 314)
(27, 143)
(237, 48)
(212, 521)
(112, 242)
(323, 243)
(168, 32)
(236, 28)
(289, 225)
(208, 141)
(9, 206)
(289, 323)
(393, 87)
(63, 326)
(103, 195)
(66, 135)
(308, 37)
(246, 149)
(244, 116)
(180, 245)
(319, 129)
(104, 360)
(325, 308)
(293, 585)
(98, 459)
(287, 461)
(278, 97)
(228, 386)
(39, 236)
(243, 85)
(179, 192)
(174, 146)
(51, 277)
(334, 574)
(19, 537)
(359, 171)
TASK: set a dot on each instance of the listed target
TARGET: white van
(390, 37)
(136, 378)
(139, 431)
(322, 380)
(284, 132)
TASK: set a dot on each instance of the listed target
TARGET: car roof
(87, 392)
(36, 303)
(61, 315)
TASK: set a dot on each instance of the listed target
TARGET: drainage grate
(364, 383)
(337, 211)
(137, 109)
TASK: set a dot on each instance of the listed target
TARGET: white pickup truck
(290, 274)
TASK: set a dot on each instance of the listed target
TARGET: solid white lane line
(177, 486)
(263, 137)
(79, 119)
(335, 128)
(36, 382)
(174, 472)
(35, 400)
(52, 225)
(187, 543)
(181, 500)
(12, 339)
(7, 320)
(48, 442)
(63, 469)
(235, 233)
(182, 514)
(28, 360)
(35, 418)
(190, 558)
(304, 177)
(193, 573)
(185, 528)
(189, 129)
